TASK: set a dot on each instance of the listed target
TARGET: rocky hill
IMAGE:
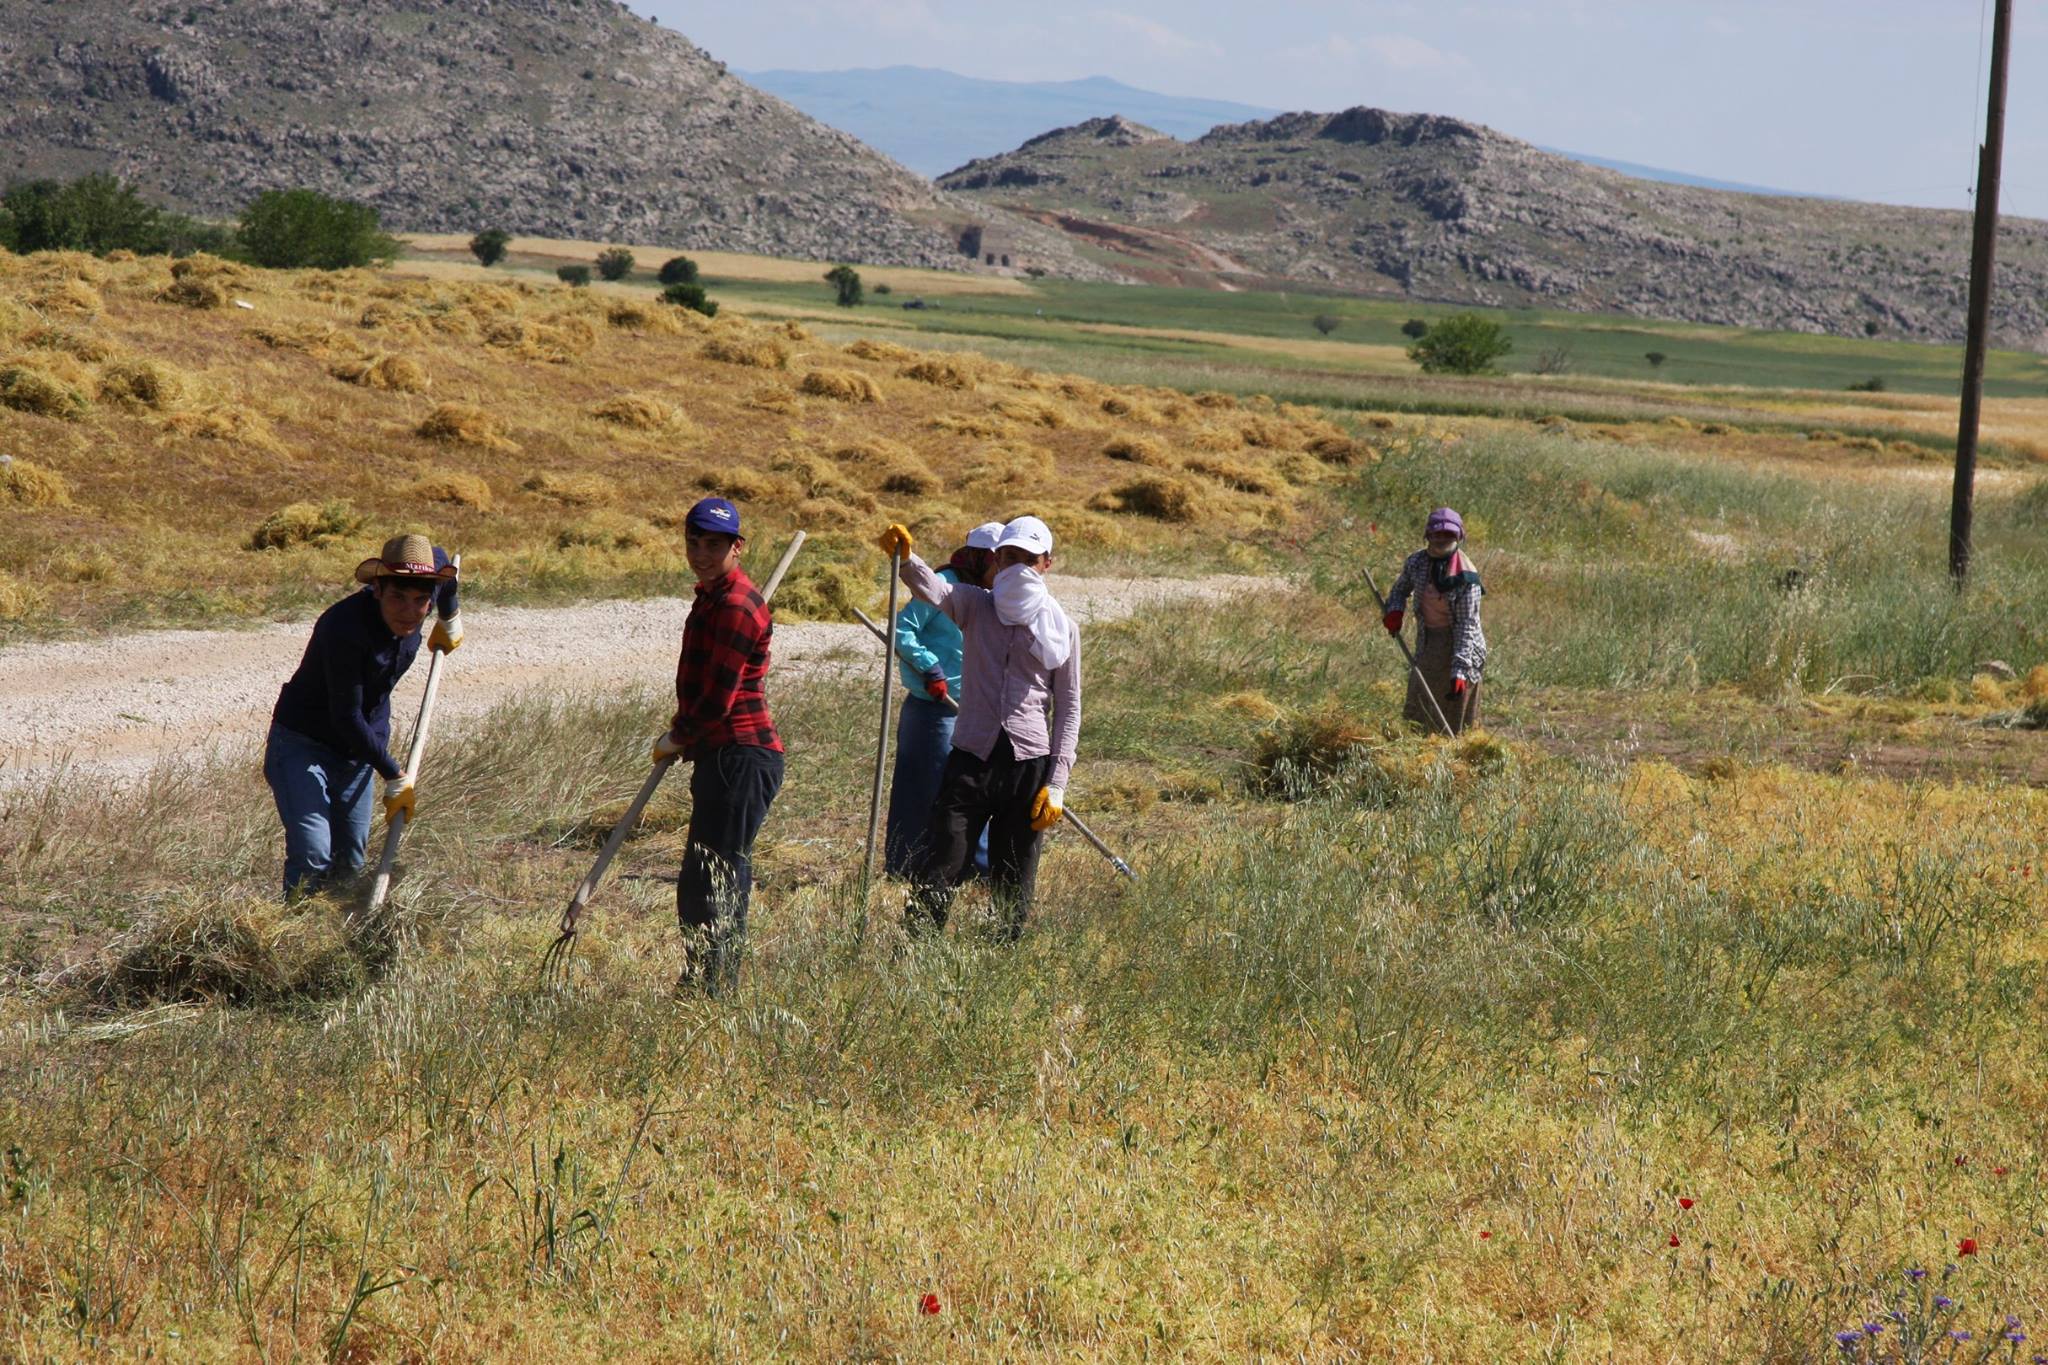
(569, 118)
(1438, 209)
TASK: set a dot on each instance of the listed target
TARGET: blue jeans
(325, 802)
(924, 737)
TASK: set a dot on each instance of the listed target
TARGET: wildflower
(1683, 1202)
(1848, 1341)
(1916, 1273)
(1871, 1329)
(1943, 1303)
(928, 1305)
(1674, 1239)
(1484, 1234)
(1962, 1161)
(1967, 1247)
(1959, 1335)
(1998, 1170)
(2015, 1337)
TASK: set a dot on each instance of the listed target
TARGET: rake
(554, 963)
(1414, 668)
(388, 860)
(1079, 824)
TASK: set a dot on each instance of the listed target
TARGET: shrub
(1415, 329)
(305, 523)
(305, 229)
(31, 485)
(677, 270)
(575, 276)
(1464, 343)
(848, 386)
(1327, 323)
(1874, 384)
(845, 280)
(615, 263)
(489, 246)
(692, 297)
(884, 289)
(1656, 359)
(28, 390)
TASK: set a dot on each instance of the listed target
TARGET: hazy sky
(1875, 99)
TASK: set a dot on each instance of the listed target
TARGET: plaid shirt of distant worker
(1468, 639)
(719, 697)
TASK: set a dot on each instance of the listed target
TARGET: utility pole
(1983, 242)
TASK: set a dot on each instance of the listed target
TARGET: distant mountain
(932, 120)
(543, 117)
(1433, 208)
(1662, 176)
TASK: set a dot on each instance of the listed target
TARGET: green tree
(1415, 329)
(615, 263)
(576, 275)
(678, 270)
(489, 246)
(305, 229)
(95, 213)
(1327, 323)
(846, 280)
(1464, 343)
(690, 296)
(1656, 359)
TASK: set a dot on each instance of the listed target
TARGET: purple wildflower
(2012, 1322)
(1848, 1340)
(2015, 1337)
(1943, 1302)
(1871, 1329)
(1916, 1273)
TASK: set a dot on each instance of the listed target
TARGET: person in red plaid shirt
(723, 728)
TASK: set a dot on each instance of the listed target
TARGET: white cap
(985, 536)
(1028, 533)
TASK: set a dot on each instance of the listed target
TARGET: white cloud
(1162, 40)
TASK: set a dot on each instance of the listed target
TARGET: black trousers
(731, 788)
(998, 791)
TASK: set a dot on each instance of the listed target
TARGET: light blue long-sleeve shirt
(926, 639)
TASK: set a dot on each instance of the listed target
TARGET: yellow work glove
(666, 750)
(446, 637)
(399, 798)
(895, 541)
(1047, 809)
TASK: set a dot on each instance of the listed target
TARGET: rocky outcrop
(1444, 210)
(565, 118)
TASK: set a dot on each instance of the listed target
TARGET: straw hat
(404, 557)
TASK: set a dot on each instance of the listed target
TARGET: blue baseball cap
(714, 514)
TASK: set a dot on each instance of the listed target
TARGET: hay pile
(465, 424)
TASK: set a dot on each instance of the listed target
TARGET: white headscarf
(1022, 599)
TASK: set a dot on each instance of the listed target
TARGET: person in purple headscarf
(1450, 646)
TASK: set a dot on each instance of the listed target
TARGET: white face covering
(1022, 599)
(1444, 553)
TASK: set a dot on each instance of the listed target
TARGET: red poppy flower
(1484, 1234)
(1683, 1202)
(928, 1305)
(1998, 1170)
(1967, 1247)
(1674, 1239)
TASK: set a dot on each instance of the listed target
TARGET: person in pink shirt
(1019, 725)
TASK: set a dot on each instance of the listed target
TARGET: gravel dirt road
(113, 707)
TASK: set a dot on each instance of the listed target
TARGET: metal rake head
(554, 963)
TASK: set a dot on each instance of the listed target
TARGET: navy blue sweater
(341, 693)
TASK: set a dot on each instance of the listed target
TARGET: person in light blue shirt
(928, 648)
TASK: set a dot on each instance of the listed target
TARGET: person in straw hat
(330, 732)
(1020, 723)
(928, 653)
(1450, 645)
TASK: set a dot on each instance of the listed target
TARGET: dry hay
(1260, 433)
(795, 330)
(143, 385)
(1209, 398)
(30, 485)
(869, 349)
(1236, 474)
(606, 530)
(27, 388)
(71, 296)
(79, 345)
(19, 600)
(1302, 469)
(311, 338)
(847, 386)
(222, 422)
(381, 315)
(1216, 439)
(942, 371)
(749, 485)
(657, 318)
(240, 948)
(1031, 412)
(1333, 448)
(67, 265)
(823, 590)
(305, 523)
(575, 490)
(1117, 405)
(821, 480)
(890, 467)
(1160, 496)
(193, 292)
(761, 353)
(638, 412)
(200, 266)
(776, 398)
(971, 425)
(464, 424)
(397, 373)
(1138, 450)
(451, 486)
(1007, 468)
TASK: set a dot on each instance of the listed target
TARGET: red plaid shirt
(719, 700)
